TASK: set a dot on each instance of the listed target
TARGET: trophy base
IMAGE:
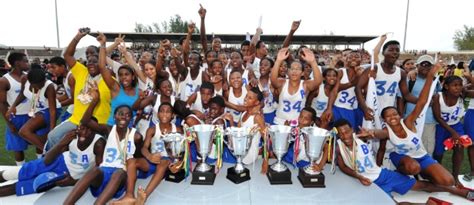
(204, 178)
(283, 177)
(311, 181)
(238, 178)
(175, 177)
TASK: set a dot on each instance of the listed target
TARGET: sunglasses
(425, 64)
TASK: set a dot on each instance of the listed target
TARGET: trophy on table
(203, 173)
(239, 140)
(174, 146)
(314, 140)
(280, 139)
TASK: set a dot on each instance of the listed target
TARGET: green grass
(6, 158)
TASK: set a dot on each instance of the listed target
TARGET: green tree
(464, 39)
(174, 25)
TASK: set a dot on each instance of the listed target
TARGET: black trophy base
(279, 177)
(238, 178)
(311, 181)
(204, 178)
(175, 177)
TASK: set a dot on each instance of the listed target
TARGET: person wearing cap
(423, 65)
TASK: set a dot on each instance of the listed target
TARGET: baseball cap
(424, 58)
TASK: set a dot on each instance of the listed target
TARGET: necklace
(34, 104)
(123, 149)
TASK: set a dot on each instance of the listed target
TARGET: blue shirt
(417, 87)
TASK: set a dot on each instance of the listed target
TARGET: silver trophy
(280, 137)
(174, 146)
(204, 139)
(239, 140)
(204, 173)
(314, 140)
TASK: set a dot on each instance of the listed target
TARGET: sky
(431, 23)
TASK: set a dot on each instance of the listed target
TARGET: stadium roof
(238, 38)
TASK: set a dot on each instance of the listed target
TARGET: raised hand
(122, 49)
(259, 30)
(101, 38)
(383, 37)
(83, 31)
(119, 39)
(283, 54)
(202, 11)
(308, 55)
(175, 53)
(191, 27)
(295, 25)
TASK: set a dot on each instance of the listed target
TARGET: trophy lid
(315, 131)
(280, 129)
(173, 137)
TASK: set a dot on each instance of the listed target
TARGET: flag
(371, 101)
(420, 121)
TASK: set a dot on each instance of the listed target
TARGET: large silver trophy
(203, 173)
(314, 141)
(239, 140)
(280, 136)
(174, 146)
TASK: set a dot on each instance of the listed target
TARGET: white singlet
(290, 106)
(346, 98)
(451, 114)
(77, 161)
(115, 150)
(387, 87)
(410, 146)
(15, 88)
(365, 161)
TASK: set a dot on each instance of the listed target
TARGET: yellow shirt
(102, 110)
(458, 72)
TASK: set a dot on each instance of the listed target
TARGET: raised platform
(340, 189)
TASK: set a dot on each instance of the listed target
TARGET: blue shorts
(30, 170)
(66, 115)
(46, 115)
(288, 158)
(342, 113)
(390, 181)
(424, 161)
(13, 141)
(143, 175)
(469, 122)
(107, 176)
(442, 134)
(269, 117)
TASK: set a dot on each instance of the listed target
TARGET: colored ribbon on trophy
(265, 144)
(296, 151)
(187, 151)
(354, 152)
(219, 149)
(332, 155)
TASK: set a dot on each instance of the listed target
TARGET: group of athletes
(115, 112)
